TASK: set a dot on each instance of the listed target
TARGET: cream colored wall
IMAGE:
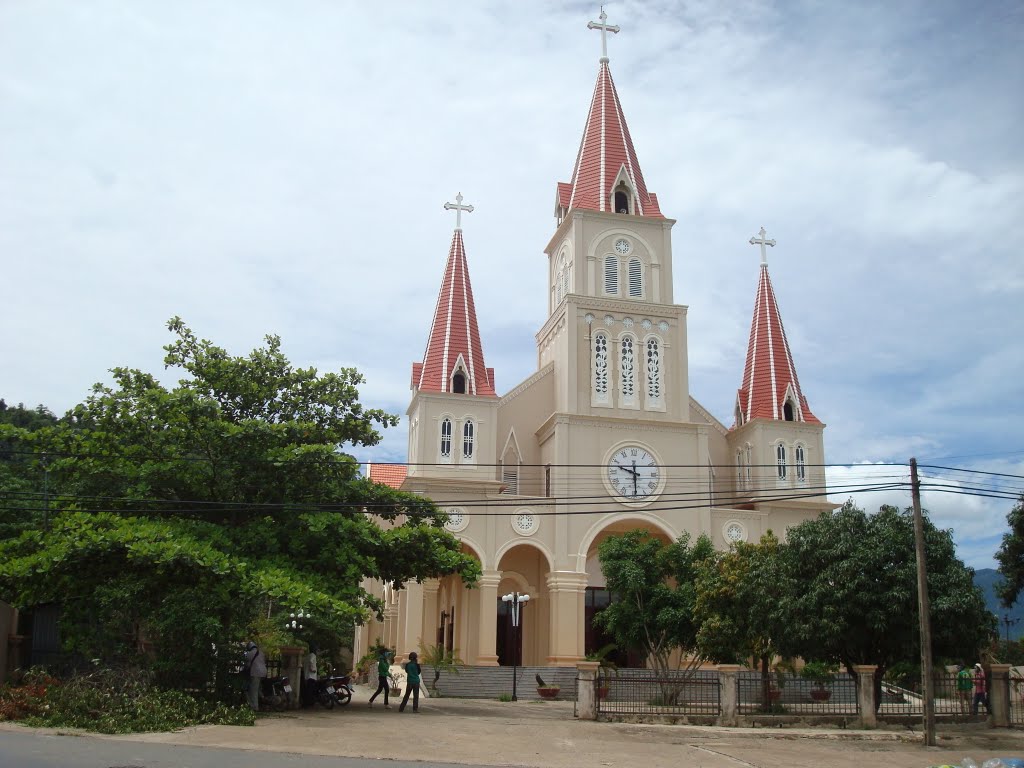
(427, 411)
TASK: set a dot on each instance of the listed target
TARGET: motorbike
(341, 687)
(321, 691)
(275, 692)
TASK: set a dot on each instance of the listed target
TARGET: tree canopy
(1011, 556)
(180, 514)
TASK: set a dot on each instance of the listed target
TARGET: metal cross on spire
(605, 28)
(458, 207)
(762, 242)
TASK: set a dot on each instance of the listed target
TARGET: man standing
(980, 689)
(310, 678)
(256, 665)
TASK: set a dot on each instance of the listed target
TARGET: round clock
(633, 473)
(622, 246)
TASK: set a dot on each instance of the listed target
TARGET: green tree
(1011, 556)
(738, 595)
(187, 512)
(654, 597)
(851, 591)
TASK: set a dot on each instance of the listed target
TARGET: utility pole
(1008, 622)
(924, 610)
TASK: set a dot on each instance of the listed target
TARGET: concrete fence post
(727, 689)
(866, 694)
(291, 666)
(586, 689)
(999, 695)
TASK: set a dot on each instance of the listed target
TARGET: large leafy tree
(653, 584)
(1011, 555)
(737, 605)
(181, 514)
(851, 591)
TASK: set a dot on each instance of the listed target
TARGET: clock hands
(636, 476)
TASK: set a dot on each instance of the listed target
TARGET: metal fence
(791, 694)
(641, 692)
(946, 699)
(1015, 697)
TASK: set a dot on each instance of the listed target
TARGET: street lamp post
(517, 601)
(1008, 622)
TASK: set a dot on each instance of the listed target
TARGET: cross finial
(605, 29)
(762, 242)
(458, 207)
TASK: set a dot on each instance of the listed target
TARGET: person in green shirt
(964, 684)
(412, 680)
(383, 668)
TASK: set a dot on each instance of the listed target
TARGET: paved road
(40, 750)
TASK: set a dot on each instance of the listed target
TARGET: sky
(263, 167)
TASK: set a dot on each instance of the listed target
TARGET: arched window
(561, 281)
(739, 416)
(459, 383)
(601, 367)
(627, 365)
(787, 410)
(611, 275)
(780, 460)
(653, 372)
(750, 456)
(801, 464)
(565, 282)
(446, 439)
(739, 469)
(467, 440)
(636, 283)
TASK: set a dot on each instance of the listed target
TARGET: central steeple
(607, 175)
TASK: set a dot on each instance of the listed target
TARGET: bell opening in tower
(787, 411)
(621, 202)
(459, 384)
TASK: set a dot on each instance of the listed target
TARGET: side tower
(452, 411)
(776, 440)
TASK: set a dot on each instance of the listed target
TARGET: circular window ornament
(622, 246)
(524, 522)
(663, 326)
(588, 318)
(646, 324)
(627, 322)
(734, 532)
(609, 320)
(457, 519)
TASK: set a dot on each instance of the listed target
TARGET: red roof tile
(769, 377)
(606, 149)
(454, 341)
(388, 474)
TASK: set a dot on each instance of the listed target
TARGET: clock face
(622, 246)
(634, 473)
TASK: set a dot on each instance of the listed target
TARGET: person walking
(980, 690)
(964, 684)
(383, 668)
(256, 667)
(412, 683)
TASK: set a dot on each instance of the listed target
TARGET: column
(567, 625)
(487, 618)
(586, 692)
(431, 611)
(727, 686)
(999, 695)
(412, 621)
(866, 694)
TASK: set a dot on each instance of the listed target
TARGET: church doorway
(524, 569)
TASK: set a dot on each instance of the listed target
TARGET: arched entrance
(524, 569)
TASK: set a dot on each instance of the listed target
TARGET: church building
(603, 438)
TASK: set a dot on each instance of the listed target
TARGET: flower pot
(548, 692)
(821, 694)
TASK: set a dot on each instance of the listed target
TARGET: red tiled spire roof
(454, 341)
(388, 474)
(605, 150)
(770, 379)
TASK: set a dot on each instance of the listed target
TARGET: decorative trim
(525, 522)
(733, 531)
(458, 520)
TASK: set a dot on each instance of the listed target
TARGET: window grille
(510, 477)
(801, 464)
(446, 438)
(653, 371)
(749, 461)
(739, 469)
(780, 460)
(601, 366)
(628, 372)
(467, 439)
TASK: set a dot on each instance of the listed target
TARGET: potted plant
(546, 691)
(821, 674)
(605, 670)
(395, 680)
(441, 660)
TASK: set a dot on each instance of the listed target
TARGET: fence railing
(640, 692)
(946, 698)
(791, 694)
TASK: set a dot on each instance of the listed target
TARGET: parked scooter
(321, 691)
(275, 692)
(341, 685)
